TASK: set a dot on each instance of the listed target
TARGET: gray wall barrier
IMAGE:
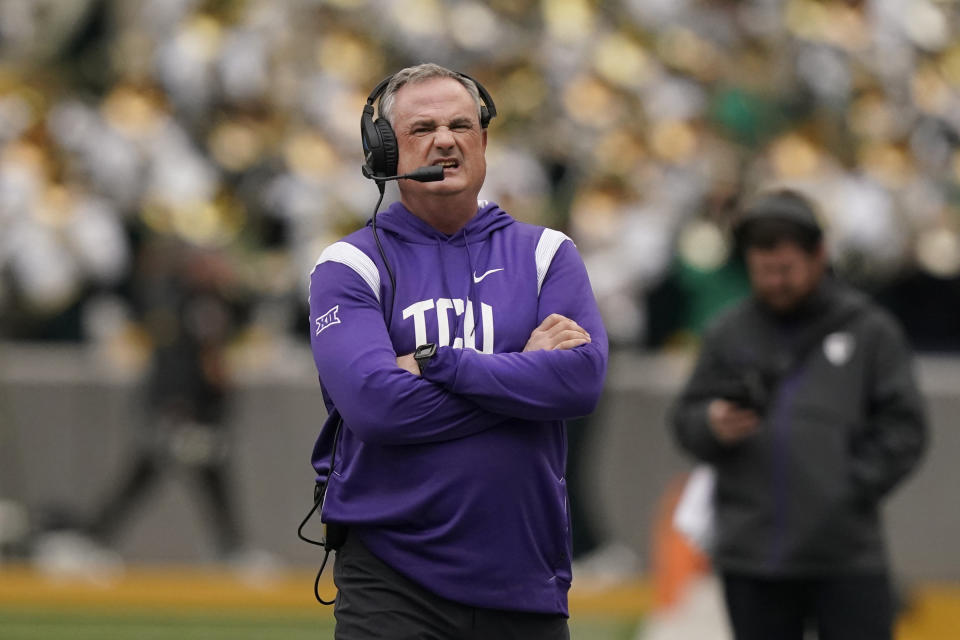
(69, 420)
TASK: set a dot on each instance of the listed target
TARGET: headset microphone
(429, 173)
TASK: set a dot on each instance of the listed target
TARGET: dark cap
(779, 207)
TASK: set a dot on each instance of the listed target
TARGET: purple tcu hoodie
(456, 479)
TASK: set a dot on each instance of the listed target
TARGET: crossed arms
(558, 375)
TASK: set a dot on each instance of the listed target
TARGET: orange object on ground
(675, 561)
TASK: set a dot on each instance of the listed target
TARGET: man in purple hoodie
(447, 469)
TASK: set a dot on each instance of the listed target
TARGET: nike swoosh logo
(477, 279)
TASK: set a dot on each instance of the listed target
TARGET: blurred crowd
(231, 128)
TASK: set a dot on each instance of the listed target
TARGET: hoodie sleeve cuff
(443, 366)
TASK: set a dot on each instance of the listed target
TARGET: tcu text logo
(442, 307)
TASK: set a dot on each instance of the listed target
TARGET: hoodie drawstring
(444, 281)
(473, 297)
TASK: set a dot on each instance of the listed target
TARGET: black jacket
(842, 426)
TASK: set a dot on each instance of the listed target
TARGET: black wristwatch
(423, 354)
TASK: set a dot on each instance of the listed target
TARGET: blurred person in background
(452, 342)
(192, 311)
(804, 402)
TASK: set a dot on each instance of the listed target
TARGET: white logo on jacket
(838, 347)
(418, 311)
(328, 319)
(477, 279)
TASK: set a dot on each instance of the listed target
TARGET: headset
(380, 149)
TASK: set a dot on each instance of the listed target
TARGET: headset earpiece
(379, 143)
(488, 110)
(389, 155)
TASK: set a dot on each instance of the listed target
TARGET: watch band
(423, 354)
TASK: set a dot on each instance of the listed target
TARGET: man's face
(436, 122)
(784, 276)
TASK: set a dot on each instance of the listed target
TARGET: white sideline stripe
(550, 241)
(347, 254)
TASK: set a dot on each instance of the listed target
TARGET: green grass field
(42, 624)
(194, 604)
(187, 603)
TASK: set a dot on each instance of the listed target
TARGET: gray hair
(420, 73)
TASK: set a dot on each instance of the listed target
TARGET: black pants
(855, 607)
(374, 601)
(581, 434)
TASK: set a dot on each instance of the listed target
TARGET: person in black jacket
(192, 311)
(804, 402)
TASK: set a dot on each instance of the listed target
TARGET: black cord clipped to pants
(334, 534)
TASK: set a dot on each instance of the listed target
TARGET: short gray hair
(420, 73)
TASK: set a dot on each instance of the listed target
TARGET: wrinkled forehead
(433, 98)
